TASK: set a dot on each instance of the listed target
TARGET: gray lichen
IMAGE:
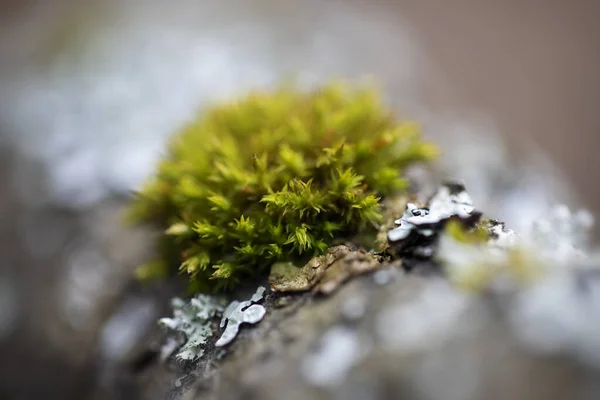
(238, 313)
(341, 349)
(418, 229)
(561, 235)
(193, 322)
(510, 261)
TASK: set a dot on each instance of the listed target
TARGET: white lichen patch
(340, 350)
(562, 235)
(451, 200)
(238, 313)
(561, 314)
(546, 276)
(475, 267)
(426, 321)
(508, 260)
(354, 308)
(193, 321)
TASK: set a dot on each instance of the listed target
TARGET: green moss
(476, 235)
(274, 176)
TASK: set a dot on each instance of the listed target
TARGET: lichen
(324, 274)
(274, 176)
(477, 253)
(238, 313)
(309, 275)
(506, 261)
(415, 237)
(477, 267)
(194, 322)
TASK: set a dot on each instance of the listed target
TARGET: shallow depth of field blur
(91, 90)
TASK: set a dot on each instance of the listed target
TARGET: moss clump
(274, 176)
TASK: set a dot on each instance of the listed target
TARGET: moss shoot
(274, 176)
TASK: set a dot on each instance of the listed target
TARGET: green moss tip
(274, 176)
(478, 234)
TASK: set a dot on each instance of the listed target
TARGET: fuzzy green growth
(274, 176)
(476, 235)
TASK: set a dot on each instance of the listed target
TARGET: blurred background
(91, 90)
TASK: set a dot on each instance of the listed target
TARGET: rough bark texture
(411, 337)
